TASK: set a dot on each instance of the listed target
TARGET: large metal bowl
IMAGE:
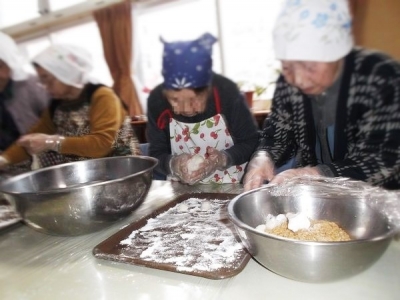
(80, 197)
(369, 229)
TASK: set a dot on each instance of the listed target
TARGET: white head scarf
(69, 64)
(11, 55)
(313, 30)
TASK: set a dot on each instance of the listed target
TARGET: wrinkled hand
(3, 163)
(179, 167)
(259, 169)
(291, 173)
(215, 160)
(36, 143)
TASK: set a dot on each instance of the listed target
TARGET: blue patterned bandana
(188, 64)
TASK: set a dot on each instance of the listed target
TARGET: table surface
(39, 266)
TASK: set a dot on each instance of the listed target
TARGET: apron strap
(161, 121)
(217, 100)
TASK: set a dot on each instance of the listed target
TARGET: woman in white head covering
(22, 99)
(336, 108)
(84, 120)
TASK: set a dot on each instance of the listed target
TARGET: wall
(377, 24)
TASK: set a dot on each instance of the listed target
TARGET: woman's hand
(215, 160)
(259, 169)
(299, 172)
(178, 166)
(3, 162)
(36, 143)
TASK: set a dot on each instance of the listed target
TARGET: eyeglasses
(290, 67)
(47, 80)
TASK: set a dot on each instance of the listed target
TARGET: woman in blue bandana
(336, 108)
(196, 111)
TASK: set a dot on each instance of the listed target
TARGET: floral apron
(74, 121)
(194, 138)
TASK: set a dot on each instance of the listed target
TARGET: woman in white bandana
(197, 113)
(336, 108)
(83, 121)
(22, 98)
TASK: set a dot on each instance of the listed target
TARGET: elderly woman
(22, 98)
(336, 108)
(84, 120)
(196, 111)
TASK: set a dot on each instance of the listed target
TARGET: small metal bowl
(80, 197)
(308, 261)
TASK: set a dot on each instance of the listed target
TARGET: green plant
(258, 89)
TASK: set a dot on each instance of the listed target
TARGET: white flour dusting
(7, 215)
(197, 239)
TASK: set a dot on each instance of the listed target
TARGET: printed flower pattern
(320, 20)
(321, 23)
(196, 138)
(304, 14)
(181, 83)
(294, 2)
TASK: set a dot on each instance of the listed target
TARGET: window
(32, 48)
(243, 28)
(60, 4)
(247, 34)
(16, 11)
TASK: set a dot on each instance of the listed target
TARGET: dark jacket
(367, 127)
(240, 122)
(23, 104)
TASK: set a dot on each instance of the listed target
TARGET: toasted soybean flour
(300, 227)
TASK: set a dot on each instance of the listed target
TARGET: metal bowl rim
(391, 232)
(64, 190)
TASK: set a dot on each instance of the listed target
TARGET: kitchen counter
(39, 266)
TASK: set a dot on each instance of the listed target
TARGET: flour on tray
(7, 215)
(193, 236)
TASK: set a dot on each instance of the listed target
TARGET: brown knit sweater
(106, 117)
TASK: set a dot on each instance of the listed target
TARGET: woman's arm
(15, 153)
(159, 138)
(374, 155)
(243, 129)
(106, 117)
(277, 138)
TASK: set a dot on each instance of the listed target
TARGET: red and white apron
(194, 138)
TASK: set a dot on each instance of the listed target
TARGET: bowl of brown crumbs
(313, 230)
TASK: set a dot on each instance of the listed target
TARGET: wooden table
(140, 129)
(260, 116)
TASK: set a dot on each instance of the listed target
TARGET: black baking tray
(192, 244)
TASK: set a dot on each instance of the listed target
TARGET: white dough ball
(182, 207)
(205, 206)
(195, 162)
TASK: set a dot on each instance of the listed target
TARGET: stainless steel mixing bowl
(311, 261)
(80, 197)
